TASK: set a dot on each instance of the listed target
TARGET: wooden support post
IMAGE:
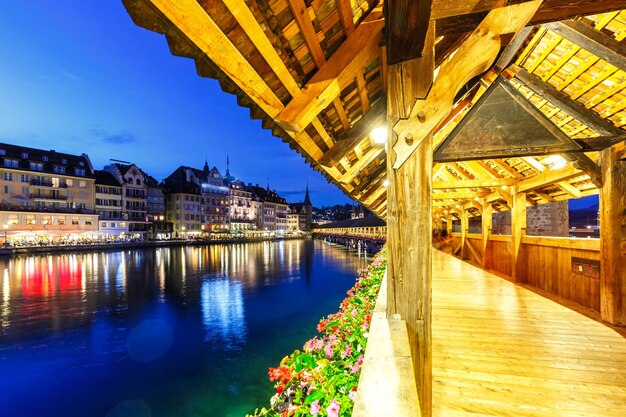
(409, 228)
(464, 227)
(449, 225)
(518, 230)
(487, 226)
(613, 238)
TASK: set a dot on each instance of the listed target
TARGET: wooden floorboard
(502, 350)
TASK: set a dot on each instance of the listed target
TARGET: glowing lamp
(379, 135)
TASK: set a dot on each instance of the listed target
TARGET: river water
(160, 332)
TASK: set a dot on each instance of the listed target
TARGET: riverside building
(134, 190)
(46, 196)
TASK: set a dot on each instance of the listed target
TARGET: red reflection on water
(39, 278)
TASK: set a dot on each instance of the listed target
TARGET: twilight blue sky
(79, 76)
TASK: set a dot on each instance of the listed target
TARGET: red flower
(282, 374)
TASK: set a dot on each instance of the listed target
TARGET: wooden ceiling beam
(376, 117)
(549, 177)
(550, 11)
(408, 22)
(512, 49)
(480, 183)
(301, 14)
(459, 195)
(567, 105)
(346, 16)
(591, 40)
(353, 171)
(377, 175)
(325, 86)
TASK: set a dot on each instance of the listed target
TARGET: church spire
(206, 166)
(227, 166)
(307, 200)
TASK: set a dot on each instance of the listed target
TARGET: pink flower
(346, 352)
(352, 395)
(315, 407)
(328, 350)
(333, 409)
(355, 368)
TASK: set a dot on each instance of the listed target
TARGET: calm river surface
(160, 332)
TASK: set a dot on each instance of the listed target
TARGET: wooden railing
(375, 233)
(565, 267)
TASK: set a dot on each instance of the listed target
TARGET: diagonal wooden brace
(473, 58)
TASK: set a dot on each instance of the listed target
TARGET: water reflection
(186, 331)
(223, 311)
(57, 292)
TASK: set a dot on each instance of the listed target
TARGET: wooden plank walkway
(502, 350)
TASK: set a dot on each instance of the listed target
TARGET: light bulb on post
(386, 183)
(379, 135)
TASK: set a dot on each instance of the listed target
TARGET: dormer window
(3, 152)
(81, 163)
(36, 166)
(45, 158)
(64, 161)
(79, 172)
(24, 155)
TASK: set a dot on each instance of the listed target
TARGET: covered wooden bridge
(431, 111)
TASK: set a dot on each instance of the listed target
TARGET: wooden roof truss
(315, 73)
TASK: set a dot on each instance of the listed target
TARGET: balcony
(47, 184)
(48, 197)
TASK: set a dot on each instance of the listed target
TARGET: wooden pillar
(613, 238)
(518, 230)
(409, 229)
(464, 229)
(487, 220)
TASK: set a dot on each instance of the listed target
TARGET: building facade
(45, 195)
(134, 193)
(111, 223)
(272, 210)
(300, 215)
(157, 225)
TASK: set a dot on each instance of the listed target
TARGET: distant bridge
(368, 234)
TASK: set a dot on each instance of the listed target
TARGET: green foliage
(321, 380)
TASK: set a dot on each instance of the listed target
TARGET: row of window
(38, 166)
(46, 220)
(45, 181)
(43, 158)
(112, 225)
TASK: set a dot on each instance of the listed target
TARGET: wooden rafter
(325, 86)
(549, 177)
(550, 11)
(594, 41)
(566, 104)
(374, 118)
